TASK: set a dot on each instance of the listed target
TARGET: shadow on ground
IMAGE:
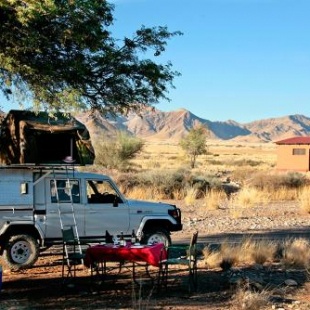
(41, 287)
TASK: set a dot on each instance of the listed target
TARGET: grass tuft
(190, 197)
(248, 300)
(297, 253)
(213, 199)
(304, 200)
(248, 197)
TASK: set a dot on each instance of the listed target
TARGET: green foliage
(194, 143)
(116, 152)
(62, 56)
(127, 146)
(169, 183)
(166, 182)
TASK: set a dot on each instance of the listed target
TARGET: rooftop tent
(36, 138)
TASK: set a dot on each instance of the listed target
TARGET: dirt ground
(41, 288)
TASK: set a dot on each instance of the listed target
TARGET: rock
(290, 282)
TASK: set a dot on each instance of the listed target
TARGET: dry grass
(225, 257)
(304, 200)
(142, 193)
(249, 197)
(248, 163)
(256, 251)
(236, 212)
(245, 199)
(212, 259)
(297, 253)
(248, 300)
(222, 155)
(248, 252)
(283, 194)
(190, 197)
(264, 252)
(214, 199)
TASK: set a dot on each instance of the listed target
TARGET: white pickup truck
(34, 201)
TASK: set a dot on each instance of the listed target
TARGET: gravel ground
(281, 216)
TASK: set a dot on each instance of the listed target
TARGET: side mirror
(115, 202)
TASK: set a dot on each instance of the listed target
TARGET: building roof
(295, 140)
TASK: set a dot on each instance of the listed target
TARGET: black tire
(21, 251)
(156, 235)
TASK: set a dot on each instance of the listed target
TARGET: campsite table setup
(129, 256)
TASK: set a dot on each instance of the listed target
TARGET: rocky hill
(159, 125)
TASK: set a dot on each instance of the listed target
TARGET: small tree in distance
(194, 144)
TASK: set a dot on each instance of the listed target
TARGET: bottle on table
(108, 237)
(133, 237)
(122, 241)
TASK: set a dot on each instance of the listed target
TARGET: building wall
(291, 157)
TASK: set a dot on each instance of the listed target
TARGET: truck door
(63, 203)
(105, 209)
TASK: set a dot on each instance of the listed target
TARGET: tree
(60, 55)
(194, 143)
(117, 151)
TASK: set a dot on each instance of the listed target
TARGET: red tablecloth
(150, 254)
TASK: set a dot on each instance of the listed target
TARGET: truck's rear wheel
(21, 251)
(156, 235)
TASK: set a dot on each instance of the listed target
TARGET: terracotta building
(294, 154)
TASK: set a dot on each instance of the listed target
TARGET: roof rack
(39, 166)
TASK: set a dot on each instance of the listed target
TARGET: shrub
(246, 299)
(213, 198)
(161, 183)
(294, 180)
(282, 193)
(190, 197)
(224, 257)
(267, 181)
(264, 251)
(247, 162)
(171, 184)
(212, 259)
(296, 253)
(248, 197)
(116, 153)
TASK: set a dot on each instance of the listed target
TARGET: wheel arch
(153, 223)
(18, 229)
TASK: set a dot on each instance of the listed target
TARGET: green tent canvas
(37, 138)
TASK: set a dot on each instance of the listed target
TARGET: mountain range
(154, 124)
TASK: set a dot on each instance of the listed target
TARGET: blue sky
(240, 59)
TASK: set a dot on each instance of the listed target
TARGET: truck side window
(64, 191)
(101, 192)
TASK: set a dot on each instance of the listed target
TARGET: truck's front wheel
(21, 251)
(157, 235)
